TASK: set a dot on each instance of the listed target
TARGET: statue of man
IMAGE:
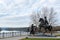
(32, 29)
(46, 21)
(47, 26)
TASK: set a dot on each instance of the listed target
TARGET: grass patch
(41, 39)
(57, 34)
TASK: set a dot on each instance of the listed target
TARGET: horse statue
(44, 24)
(41, 25)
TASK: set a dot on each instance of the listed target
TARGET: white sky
(15, 13)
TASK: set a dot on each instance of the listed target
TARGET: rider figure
(32, 29)
(46, 21)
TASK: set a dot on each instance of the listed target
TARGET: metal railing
(13, 34)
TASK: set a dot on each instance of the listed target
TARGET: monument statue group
(43, 24)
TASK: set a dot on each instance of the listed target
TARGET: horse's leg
(40, 29)
(50, 29)
(51, 32)
(44, 31)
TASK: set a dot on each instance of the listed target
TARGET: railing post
(3, 34)
(20, 33)
(15, 33)
(12, 34)
(0, 34)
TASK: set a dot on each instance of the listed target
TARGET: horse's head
(41, 19)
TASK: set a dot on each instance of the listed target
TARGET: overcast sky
(15, 13)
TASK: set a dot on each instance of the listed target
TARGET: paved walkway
(13, 38)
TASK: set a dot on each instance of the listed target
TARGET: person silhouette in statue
(47, 26)
(32, 29)
(46, 21)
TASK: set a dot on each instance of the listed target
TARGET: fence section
(13, 34)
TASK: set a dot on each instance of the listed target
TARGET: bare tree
(35, 18)
(52, 17)
(49, 13)
(45, 12)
